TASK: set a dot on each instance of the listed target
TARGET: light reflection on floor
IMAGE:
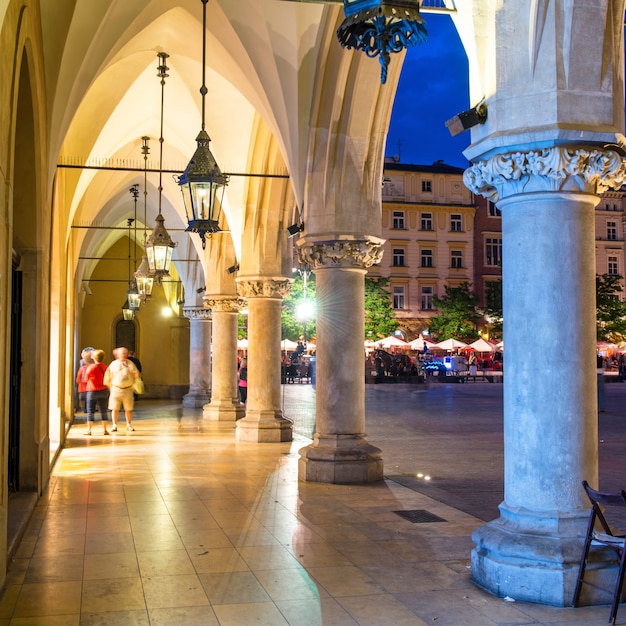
(178, 523)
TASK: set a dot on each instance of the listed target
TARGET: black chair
(604, 536)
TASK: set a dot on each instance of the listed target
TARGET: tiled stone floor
(179, 524)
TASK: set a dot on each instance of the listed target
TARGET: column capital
(559, 168)
(341, 253)
(225, 304)
(264, 287)
(197, 313)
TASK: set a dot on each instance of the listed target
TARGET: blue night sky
(434, 86)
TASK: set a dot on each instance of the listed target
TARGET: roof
(438, 167)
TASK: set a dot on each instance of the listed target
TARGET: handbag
(138, 386)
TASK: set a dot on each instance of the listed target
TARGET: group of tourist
(104, 388)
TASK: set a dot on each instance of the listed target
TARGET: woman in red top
(97, 391)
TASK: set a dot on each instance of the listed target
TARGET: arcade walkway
(178, 524)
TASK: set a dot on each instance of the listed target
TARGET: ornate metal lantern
(381, 27)
(202, 179)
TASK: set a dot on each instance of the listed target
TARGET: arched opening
(25, 350)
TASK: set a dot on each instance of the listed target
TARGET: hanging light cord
(162, 75)
(203, 89)
(145, 150)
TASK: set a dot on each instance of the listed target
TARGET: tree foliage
(493, 307)
(458, 314)
(292, 326)
(380, 318)
(611, 311)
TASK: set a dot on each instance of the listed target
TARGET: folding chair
(605, 537)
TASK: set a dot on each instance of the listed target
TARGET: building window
(427, 186)
(494, 211)
(493, 251)
(427, 258)
(426, 221)
(612, 265)
(398, 257)
(398, 220)
(456, 223)
(427, 298)
(398, 296)
(611, 231)
(456, 259)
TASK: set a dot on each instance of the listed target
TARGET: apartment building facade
(428, 224)
(439, 234)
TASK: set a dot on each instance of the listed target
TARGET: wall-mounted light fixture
(202, 179)
(467, 119)
(294, 229)
(232, 269)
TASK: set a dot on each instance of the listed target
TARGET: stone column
(264, 421)
(547, 198)
(340, 452)
(224, 405)
(199, 357)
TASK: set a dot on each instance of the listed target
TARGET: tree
(611, 311)
(458, 314)
(292, 327)
(493, 307)
(380, 318)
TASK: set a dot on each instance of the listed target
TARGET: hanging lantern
(159, 245)
(202, 180)
(204, 184)
(127, 311)
(381, 27)
(144, 279)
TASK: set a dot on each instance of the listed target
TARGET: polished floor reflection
(179, 524)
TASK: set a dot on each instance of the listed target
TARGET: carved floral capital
(197, 313)
(264, 287)
(550, 169)
(339, 253)
(225, 304)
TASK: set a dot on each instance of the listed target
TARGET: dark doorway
(15, 377)
(125, 335)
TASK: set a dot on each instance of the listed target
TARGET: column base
(224, 410)
(195, 400)
(264, 427)
(531, 558)
(341, 460)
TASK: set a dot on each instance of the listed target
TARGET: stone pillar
(224, 405)
(199, 357)
(547, 198)
(340, 452)
(264, 421)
